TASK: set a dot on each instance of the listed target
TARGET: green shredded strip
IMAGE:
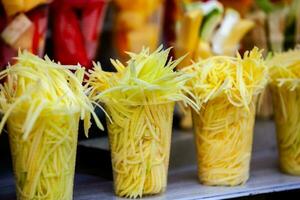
(42, 103)
(226, 88)
(140, 98)
(285, 82)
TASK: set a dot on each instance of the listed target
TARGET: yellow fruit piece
(202, 51)
(130, 20)
(232, 30)
(276, 28)
(145, 6)
(146, 36)
(19, 32)
(187, 36)
(138, 25)
(15, 6)
(237, 33)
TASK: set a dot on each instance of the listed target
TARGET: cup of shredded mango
(226, 89)
(42, 103)
(284, 83)
(139, 99)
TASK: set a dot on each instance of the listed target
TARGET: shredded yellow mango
(235, 78)
(226, 89)
(148, 79)
(140, 98)
(42, 103)
(284, 83)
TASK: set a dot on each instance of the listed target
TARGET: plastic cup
(44, 162)
(223, 136)
(140, 139)
(287, 112)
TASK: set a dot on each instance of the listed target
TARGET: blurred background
(83, 31)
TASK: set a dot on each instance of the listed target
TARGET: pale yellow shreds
(235, 78)
(284, 83)
(284, 69)
(40, 88)
(42, 103)
(140, 139)
(140, 98)
(147, 78)
(223, 135)
(226, 88)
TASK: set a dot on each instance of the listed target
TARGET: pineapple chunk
(19, 33)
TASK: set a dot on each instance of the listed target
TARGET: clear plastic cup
(287, 112)
(140, 139)
(44, 162)
(223, 136)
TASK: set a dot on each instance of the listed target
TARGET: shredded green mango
(139, 98)
(42, 103)
(284, 82)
